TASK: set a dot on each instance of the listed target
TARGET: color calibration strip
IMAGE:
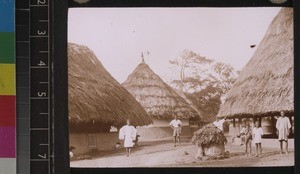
(7, 87)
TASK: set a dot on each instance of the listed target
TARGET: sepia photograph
(181, 87)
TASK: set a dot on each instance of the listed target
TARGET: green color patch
(7, 47)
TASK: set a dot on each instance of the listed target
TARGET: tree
(189, 61)
(206, 79)
(226, 75)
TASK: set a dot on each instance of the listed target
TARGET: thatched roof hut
(210, 140)
(95, 97)
(266, 84)
(157, 98)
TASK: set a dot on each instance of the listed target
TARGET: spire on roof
(142, 55)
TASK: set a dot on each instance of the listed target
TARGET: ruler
(33, 61)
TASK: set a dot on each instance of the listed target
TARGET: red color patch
(7, 111)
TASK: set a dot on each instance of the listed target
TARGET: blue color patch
(7, 15)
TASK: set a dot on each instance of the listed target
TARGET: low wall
(154, 133)
(104, 141)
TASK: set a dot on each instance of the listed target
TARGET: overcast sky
(119, 35)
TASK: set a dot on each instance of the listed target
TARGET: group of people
(254, 135)
(128, 133)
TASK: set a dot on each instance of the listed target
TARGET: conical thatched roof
(190, 99)
(95, 97)
(266, 84)
(157, 98)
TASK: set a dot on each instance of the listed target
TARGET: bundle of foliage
(208, 135)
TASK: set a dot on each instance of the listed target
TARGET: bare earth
(163, 154)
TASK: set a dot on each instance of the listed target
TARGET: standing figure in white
(128, 134)
(176, 126)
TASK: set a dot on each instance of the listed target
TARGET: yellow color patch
(7, 79)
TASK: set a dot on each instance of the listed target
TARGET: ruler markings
(41, 34)
(39, 5)
(22, 9)
(43, 51)
(36, 36)
(39, 129)
(21, 41)
(22, 57)
(38, 159)
(39, 67)
(39, 98)
(44, 144)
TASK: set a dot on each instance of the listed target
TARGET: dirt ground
(163, 154)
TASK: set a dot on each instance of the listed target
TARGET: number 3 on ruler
(41, 32)
(41, 1)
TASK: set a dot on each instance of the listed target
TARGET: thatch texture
(157, 98)
(191, 100)
(266, 84)
(95, 97)
(208, 135)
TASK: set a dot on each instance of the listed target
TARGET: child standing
(242, 134)
(257, 134)
(247, 133)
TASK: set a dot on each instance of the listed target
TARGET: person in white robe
(128, 134)
(283, 126)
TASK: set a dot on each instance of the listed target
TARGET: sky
(118, 36)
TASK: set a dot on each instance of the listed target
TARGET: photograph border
(60, 85)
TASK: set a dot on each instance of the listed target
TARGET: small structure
(98, 104)
(159, 100)
(266, 84)
(210, 141)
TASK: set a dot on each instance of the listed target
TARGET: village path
(163, 154)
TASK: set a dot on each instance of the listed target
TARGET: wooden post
(234, 122)
(273, 126)
(290, 118)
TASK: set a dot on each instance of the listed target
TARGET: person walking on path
(257, 134)
(283, 126)
(176, 126)
(128, 134)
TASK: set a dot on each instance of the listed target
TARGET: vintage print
(181, 87)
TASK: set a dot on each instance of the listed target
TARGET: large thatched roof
(266, 84)
(95, 97)
(158, 99)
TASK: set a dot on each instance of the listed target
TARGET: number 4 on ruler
(41, 63)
